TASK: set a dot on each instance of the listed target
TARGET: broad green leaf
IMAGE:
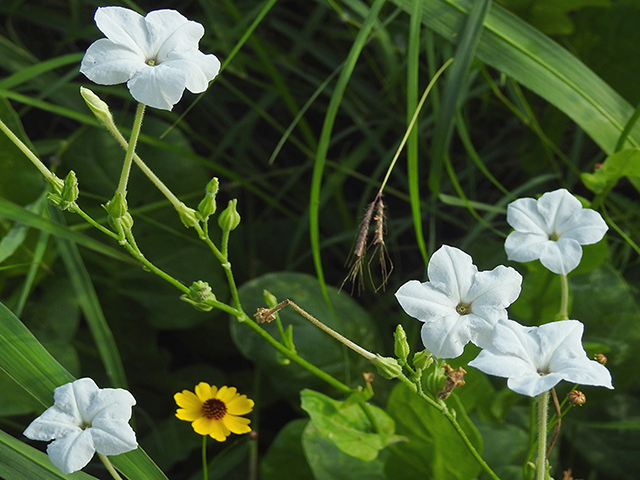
(625, 163)
(328, 462)
(24, 359)
(350, 428)
(311, 343)
(520, 51)
(434, 450)
(19, 461)
(285, 457)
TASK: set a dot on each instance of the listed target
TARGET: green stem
(205, 466)
(29, 154)
(450, 415)
(109, 466)
(543, 412)
(563, 314)
(131, 148)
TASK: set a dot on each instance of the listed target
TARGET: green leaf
(350, 428)
(434, 450)
(625, 163)
(21, 461)
(328, 462)
(285, 457)
(312, 344)
(520, 51)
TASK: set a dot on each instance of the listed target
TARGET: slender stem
(543, 412)
(353, 346)
(131, 148)
(109, 466)
(450, 415)
(29, 154)
(563, 314)
(205, 466)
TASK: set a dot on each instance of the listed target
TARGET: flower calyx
(199, 294)
(387, 367)
(229, 218)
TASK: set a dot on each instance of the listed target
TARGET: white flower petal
(72, 452)
(534, 384)
(424, 302)
(585, 226)
(113, 437)
(159, 87)
(562, 256)
(535, 359)
(53, 423)
(447, 337)
(497, 288)
(523, 216)
(525, 247)
(452, 271)
(557, 207)
(123, 27)
(107, 63)
(199, 68)
(169, 30)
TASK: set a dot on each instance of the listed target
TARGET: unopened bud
(400, 346)
(229, 218)
(576, 397)
(387, 367)
(600, 358)
(188, 216)
(70, 191)
(422, 360)
(99, 108)
(207, 206)
(199, 293)
(117, 206)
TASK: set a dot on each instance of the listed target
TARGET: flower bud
(422, 360)
(199, 293)
(70, 191)
(207, 206)
(229, 218)
(99, 108)
(400, 346)
(600, 358)
(188, 216)
(576, 397)
(117, 206)
(269, 298)
(387, 367)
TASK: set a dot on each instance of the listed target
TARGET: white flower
(85, 419)
(535, 359)
(552, 229)
(458, 304)
(156, 55)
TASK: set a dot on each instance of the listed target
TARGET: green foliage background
(533, 102)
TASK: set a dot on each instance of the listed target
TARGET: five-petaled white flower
(552, 229)
(535, 359)
(85, 419)
(458, 304)
(156, 55)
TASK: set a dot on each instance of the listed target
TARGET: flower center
(151, 62)
(463, 309)
(554, 237)
(214, 408)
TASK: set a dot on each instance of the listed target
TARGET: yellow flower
(214, 411)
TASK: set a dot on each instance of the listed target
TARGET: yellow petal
(202, 426)
(188, 400)
(240, 405)
(237, 424)
(188, 414)
(217, 431)
(226, 394)
(204, 391)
